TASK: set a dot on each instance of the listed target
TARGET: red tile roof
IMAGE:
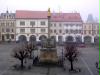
(55, 17)
(30, 14)
(66, 17)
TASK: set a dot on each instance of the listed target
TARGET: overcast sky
(84, 7)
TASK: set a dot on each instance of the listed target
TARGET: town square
(49, 37)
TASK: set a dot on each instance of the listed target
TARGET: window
(79, 31)
(76, 31)
(77, 25)
(3, 30)
(42, 22)
(89, 27)
(55, 31)
(12, 16)
(7, 24)
(32, 30)
(94, 27)
(22, 30)
(98, 27)
(60, 31)
(54, 25)
(98, 32)
(12, 30)
(71, 25)
(7, 30)
(9, 16)
(71, 31)
(42, 30)
(51, 31)
(12, 24)
(66, 25)
(7, 36)
(84, 27)
(89, 31)
(22, 23)
(4, 16)
(2, 24)
(94, 32)
(51, 25)
(66, 30)
(32, 23)
(12, 36)
(84, 31)
(60, 25)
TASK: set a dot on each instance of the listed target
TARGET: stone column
(82, 38)
(56, 38)
(27, 38)
(92, 39)
(49, 17)
(16, 37)
(63, 38)
(74, 38)
(37, 38)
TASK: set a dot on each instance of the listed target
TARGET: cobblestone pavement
(87, 59)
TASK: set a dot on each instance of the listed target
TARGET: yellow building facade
(91, 32)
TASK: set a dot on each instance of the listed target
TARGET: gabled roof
(55, 17)
(66, 17)
(23, 14)
(11, 15)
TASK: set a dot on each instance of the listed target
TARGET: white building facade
(74, 30)
(35, 24)
(28, 27)
(67, 27)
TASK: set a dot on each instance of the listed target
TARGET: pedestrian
(33, 60)
(96, 65)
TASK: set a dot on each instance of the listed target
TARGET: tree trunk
(33, 58)
(71, 62)
(22, 63)
(30, 54)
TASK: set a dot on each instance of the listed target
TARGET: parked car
(81, 45)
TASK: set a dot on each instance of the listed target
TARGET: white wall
(27, 27)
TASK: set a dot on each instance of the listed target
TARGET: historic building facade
(91, 32)
(63, 26)
(31, 25)
(7, 25)
(66, 26)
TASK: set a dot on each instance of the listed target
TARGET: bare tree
(20, 53)
(71, 53)
(30, 48)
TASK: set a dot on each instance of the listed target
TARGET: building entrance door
(3, 38)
